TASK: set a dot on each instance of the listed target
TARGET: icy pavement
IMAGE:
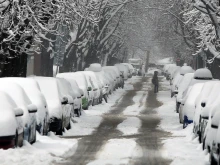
(183, 148)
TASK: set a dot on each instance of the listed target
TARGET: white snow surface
(130, 126)
(186, 69)
(45, 151)
(203, 73)
(137, 107)
(183, 148)
(117, 152)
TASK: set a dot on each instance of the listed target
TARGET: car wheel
(60, 131)
(203, 145)
(69, 126)
(212, 160)
(16, 139)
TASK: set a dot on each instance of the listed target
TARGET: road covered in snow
(135, 127)
(123, 131)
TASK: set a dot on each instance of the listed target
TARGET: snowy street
(135, 127)
(140, 128)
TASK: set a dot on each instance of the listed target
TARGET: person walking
(155, 81)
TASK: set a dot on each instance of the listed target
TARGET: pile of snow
(96, 67)
(186, 69)
(46, 150)
(203, 73)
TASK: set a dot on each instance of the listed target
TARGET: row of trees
(68, 33)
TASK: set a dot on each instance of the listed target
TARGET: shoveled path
(149, 137)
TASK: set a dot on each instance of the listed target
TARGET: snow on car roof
(95, 67)
(50, 90)
(203, 73)
(186, 69)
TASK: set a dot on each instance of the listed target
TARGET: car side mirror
(205, 117)
(32, 108)
(18, 112)
(89, 88)
(203, 104)
(64, 100)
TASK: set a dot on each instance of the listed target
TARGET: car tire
(69, 126)
(212, 160)
(203, 144)
(16, 139)
(180, 120)
(60, 131)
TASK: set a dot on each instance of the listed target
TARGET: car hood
(8, 123)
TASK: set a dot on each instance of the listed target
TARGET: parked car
(189, 105)
(78, 93)
(207, 103)
(32, 89)
(82, 84)
(11, 132)
(66, 92)
(100, 75)
(124, 71)
(182, 87)
(58, 111)
(203, 96)
(214, 154)
(17, 93)
(131, 69)
(95, 87)
(178, 78)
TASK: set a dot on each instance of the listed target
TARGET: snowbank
(45, 151)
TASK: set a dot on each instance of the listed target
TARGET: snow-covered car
(182, 87)
(189, 105)
(128, 70)
(17, 93)
(211, 127)
(131, 68)
(124, 70)
(11, 132)
(208, 104)
(173, 74)
(178, 78)
(168, 69)
(90, 87)
(115, 74)
(56, 103)
(214, 153)
(113, 77)
(82, 84)
(100, 75)
(78, 94)
(95, 87)
(204, 94)
(66, 92)
(32, 89)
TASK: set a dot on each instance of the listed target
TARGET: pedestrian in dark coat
(155, 81)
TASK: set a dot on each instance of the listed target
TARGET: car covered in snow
(200, 100)
(82, 84)
(124, 70)
(131, 68)
(182, 87)
(32, 89)
(96, 88)
(58, 107)
(11, 132)
(78, 94)
(178, 78)
(17, 93)
(214, 153)
(189, 105)
(102, 80)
